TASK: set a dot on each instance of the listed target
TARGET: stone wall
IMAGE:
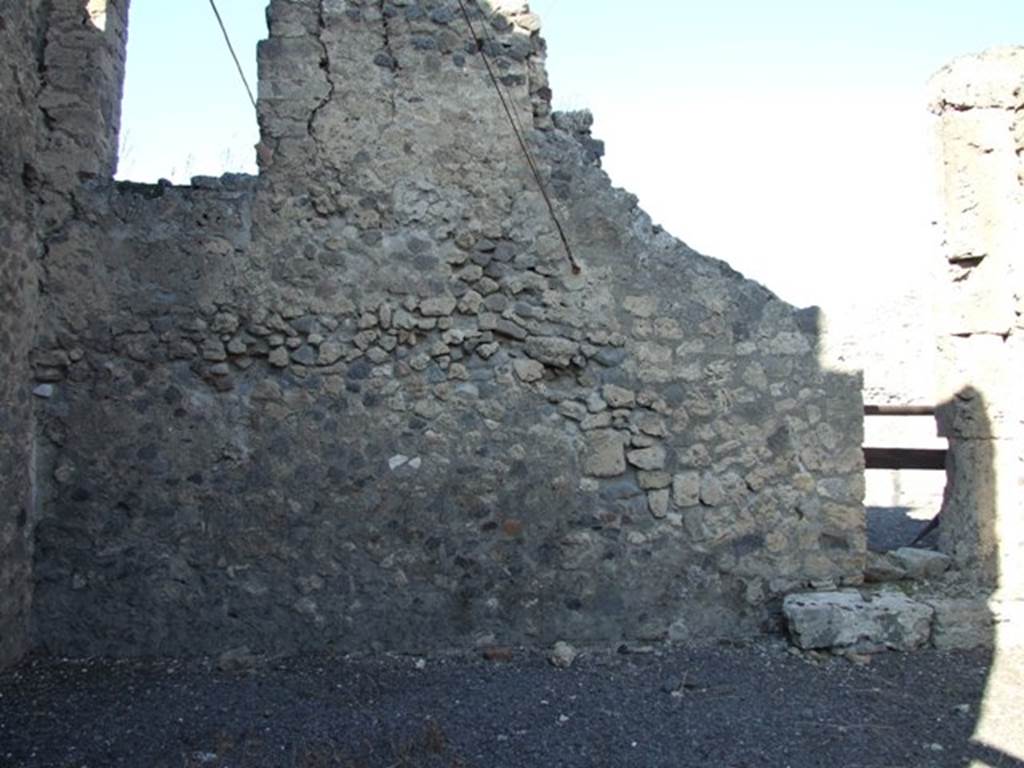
(19, 254)
(364, 400)
(979, 101)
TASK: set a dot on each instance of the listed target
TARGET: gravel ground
(723, 706)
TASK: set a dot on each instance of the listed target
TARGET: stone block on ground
(851, 621)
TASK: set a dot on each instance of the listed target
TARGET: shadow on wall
(973, 502)
(971, 499)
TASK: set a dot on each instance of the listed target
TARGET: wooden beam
(904, 458)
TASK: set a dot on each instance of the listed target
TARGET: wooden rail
(899, 410)
(903, 458)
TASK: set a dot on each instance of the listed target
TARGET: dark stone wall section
(19, 257)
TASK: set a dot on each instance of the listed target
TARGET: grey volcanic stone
(658, 502)
(606, 456)
(438, 307)
(883, 567)
(686, 489)
(528, 370)
(618, 397)
(648, 458)
(922, 563)
(563, 655)
(305, 355)
(551, 350)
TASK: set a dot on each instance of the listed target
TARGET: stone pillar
(979, 101)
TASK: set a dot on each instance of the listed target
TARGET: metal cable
(231, 48)
(518, 131)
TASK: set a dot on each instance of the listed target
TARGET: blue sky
(790, 138)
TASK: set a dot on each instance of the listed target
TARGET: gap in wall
(185, 111)
(900, 503)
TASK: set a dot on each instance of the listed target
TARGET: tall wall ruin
(19, 256)
(364, 400)
(979, 101)
(60, 91)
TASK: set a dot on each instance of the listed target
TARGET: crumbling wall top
(991, 79)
